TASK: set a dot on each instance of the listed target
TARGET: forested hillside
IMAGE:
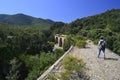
(25, 20)
(25, 52)
(106, 24)
(26, 47)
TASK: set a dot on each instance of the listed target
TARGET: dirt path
(98, 68)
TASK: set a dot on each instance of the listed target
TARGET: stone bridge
(59, 40)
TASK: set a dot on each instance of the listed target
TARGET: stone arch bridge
(59, 40)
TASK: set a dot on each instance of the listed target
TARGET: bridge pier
(59, 40)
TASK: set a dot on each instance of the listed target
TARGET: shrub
(52, 76)
(68, 42)
(74, 68)
(80, 43)
(64, 75)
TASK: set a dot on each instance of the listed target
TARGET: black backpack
(102, 44)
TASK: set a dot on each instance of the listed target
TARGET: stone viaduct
(59, 40)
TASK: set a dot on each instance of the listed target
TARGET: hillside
(25, 20)
(26, 48)
(106, 24)
(30, 49)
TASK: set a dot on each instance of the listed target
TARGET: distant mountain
(22, 20)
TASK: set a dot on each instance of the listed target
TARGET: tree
(68, 42)
(14, 70)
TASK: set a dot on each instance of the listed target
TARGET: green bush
(80, 43)
(64, 75)
(52, 76)
(14, 70)
(68, 42)
(38, 64)
(73, 66)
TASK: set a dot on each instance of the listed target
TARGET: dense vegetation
(23, 20)
(75, 40)
(25, 52)
(26, 47)
(93, 27)
(73, 70)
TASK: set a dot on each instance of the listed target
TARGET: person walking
(101, 47)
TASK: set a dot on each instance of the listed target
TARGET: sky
(58, 10)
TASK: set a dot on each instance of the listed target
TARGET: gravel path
(98, 68)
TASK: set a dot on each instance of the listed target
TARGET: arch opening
(56, 40)
(60, 43)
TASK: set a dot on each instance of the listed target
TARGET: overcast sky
(58, 10)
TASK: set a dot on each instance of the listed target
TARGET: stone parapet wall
(49, 70)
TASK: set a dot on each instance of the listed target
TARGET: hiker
(101, 47)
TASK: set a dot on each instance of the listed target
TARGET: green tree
(13, 73)
(68, 42)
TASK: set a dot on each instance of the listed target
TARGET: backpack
(102, 44)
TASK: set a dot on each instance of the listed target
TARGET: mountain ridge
(23, 20)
